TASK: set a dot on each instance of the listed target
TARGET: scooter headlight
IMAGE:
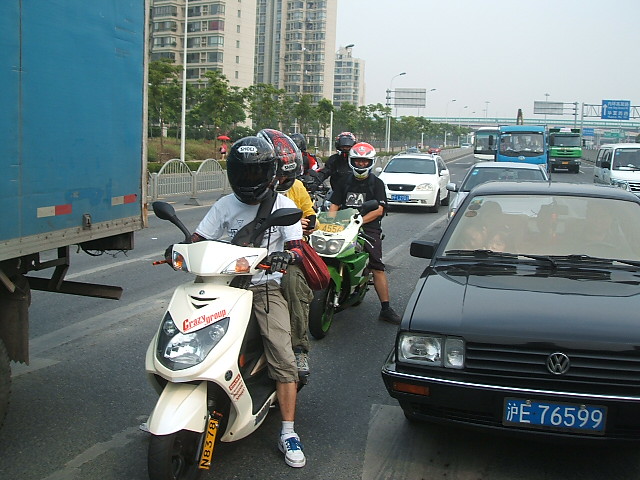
(177, 350)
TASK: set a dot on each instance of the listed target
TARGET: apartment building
(295, 42)
(220, 37)
(348, 78)
(287, 43)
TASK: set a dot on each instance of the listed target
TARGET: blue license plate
(555, 416)
(400, 198)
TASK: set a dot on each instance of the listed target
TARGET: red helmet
(362, 151)
(345, 141)
(289, 157)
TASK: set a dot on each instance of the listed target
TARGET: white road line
(404, 246)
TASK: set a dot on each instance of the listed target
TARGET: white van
(619, 164)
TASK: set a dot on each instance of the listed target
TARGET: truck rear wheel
(5, 382)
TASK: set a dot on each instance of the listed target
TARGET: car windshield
(626, 159)
(550, 225)
(478, 175)
(521, 144)
(559, 140)
(411, 165)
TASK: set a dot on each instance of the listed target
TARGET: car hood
(509, 306)
(408, 178)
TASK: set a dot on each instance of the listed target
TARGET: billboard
(410, 97)
(548, 108)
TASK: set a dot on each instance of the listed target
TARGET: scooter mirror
(163, 210)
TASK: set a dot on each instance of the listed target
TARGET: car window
(411, 165)
(626, 158)
(481, 175)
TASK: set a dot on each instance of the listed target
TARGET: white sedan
(493, 171)
(416, 180)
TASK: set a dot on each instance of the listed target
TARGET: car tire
(436, 205)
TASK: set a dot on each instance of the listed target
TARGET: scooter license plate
(209, 443)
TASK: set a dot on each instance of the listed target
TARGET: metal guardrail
(176, 178)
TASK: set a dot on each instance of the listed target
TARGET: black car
(526, 318)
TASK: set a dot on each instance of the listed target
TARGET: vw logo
(558, 363)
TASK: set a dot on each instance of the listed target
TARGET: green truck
(565, 148)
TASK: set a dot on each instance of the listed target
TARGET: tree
(265, 102)
(164, 95)
(217, 105)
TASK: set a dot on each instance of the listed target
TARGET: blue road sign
(588, 132)
(615, 109)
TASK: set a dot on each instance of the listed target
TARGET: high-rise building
(220, 37)
(295, 43)
(286, 43)
(348, 84)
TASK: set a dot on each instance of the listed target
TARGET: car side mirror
(378, 169)
(606, 165)
(422, 249)
(452, 187)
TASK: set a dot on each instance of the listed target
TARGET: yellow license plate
(209, 443)
(330, 227)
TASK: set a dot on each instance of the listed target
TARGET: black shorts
(373, 246)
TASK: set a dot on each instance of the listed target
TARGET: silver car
(493, 171)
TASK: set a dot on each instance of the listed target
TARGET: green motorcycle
(339, 240)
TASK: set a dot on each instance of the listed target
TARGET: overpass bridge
(587, 122)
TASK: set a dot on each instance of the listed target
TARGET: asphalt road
(75, 410)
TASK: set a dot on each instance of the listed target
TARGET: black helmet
(345, 141)
(299, 140)
(288, 156)
(251, 169)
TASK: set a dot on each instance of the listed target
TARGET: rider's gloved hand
(279, 260)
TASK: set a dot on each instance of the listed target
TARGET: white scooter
(206, 360)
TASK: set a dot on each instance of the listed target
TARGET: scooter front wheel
(321, 311)
(174, 456)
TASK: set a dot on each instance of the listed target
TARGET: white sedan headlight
(425, 186)
(431, 350)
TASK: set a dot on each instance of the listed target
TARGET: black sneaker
(389, 315)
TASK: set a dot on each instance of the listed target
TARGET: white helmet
(362, 151)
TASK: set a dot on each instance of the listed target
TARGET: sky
(507, 53)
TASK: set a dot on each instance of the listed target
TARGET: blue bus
(523, 143)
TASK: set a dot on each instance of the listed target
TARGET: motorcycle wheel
(321, 311)
(5, 382)
(174, 456)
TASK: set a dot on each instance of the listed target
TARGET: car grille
(401, 187)
(634, 187)
(595, 372)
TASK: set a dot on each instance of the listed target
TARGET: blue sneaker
(290, 445)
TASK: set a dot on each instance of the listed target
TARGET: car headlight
(425, 186)
(431, 350)
(177, 350)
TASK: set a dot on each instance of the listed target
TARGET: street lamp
(446, 120)
(388, 104)
(183, 130)
(460, 122)
(546, 100)
(486, 108)
(425, 106)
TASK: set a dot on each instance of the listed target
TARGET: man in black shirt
(337, 166)
(356, 189)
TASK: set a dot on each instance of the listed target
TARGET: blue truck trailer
(523, 143)
(73, 130)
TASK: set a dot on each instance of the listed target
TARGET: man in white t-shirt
(251, 169)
